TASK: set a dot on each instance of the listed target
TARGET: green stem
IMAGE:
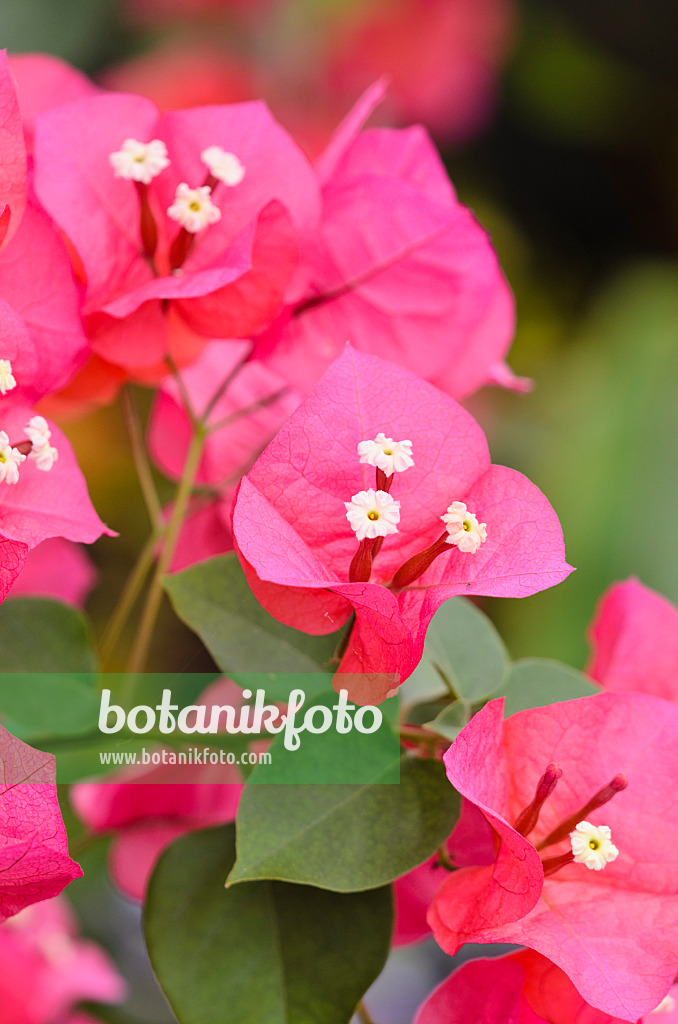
(131, 415)
(128, 599)
(149, 617)
(444, 859)
(183, 390)
(447, 681)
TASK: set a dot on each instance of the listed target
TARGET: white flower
(222, 165)
(463, 528)
(386, 454)
(45, 457)
(37, 431)
(7, 381)
(139, 161)
(42, 452)
(372, 514)
(592, 845)
(193, 208)
(10, 460)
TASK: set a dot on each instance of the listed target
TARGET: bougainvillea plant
(287, 344)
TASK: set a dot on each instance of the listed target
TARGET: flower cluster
(501, 537)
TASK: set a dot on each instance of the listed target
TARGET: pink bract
(42, 82)
(521, 988)
(42, 333)
(56, 568)
(296, 546)
(266, 402)
(13, 155)
(634, 641)
(47, 969)
(34, 861)
(232, 282)
(46, 504)
(613, 932)
(398, 267)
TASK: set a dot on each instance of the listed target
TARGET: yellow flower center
(373, 515)
(194, 206)
(593, 844)
(467, 525)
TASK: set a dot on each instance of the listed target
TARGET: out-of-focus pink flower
(536, 777)
(253, 407)
(399, 268)
(42, 82)
(148, 808)
(56, 568)
(442, 58)
(226, 280)
(34, 861)
(291, 530)
(184, 75)
(153, 10)
(521, 988)
(47, 969)
(634, 641)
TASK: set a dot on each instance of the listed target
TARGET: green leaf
(260, 953)
(451, 720)
(49, 704)
(47, 669)
(466, 649)
(213, 598)
(345, 838)
(536, 682)
(332, 756)
(39, 635)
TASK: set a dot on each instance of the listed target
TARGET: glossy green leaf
(263, 952)
(451, 720)
(466, 649)
(213, 598)
(47, 669)
(334, 757)
(40, 635)
(345, 838)
(536, 682)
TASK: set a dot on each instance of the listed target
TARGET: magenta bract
(634, 641)
(296, 546)
(614, 932)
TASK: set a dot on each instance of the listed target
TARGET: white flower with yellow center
(386, 454)
(139, 161)
(7, 381)
(592, 845)
(42, 452)
(193, 208)
(464, 530)
(10, 460)
(373, 514)
(223, 165)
